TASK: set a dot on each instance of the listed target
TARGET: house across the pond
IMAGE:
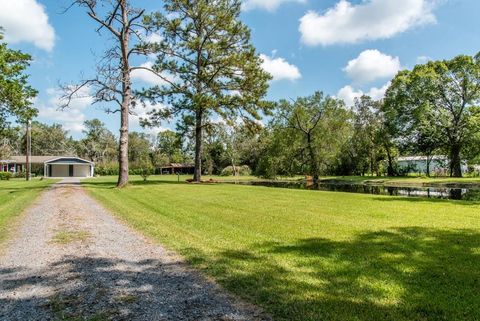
(53, 166)
(438, 164)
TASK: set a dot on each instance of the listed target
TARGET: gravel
(72, 260)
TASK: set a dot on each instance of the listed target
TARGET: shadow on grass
(401, 274)
(473, 200)
(156, 182)
(13, 190)
(410, 273)
(7, 188)
(105, 289)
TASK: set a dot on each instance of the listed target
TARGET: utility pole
(29, 151)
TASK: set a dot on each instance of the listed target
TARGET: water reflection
(472, 194)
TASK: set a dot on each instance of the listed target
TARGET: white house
(53, 166)
(418, 164)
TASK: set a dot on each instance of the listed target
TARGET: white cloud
(154, 38)
(348, 94)
(26, 21)
(378, 93)
(423, 59)
(141, 112)
(280, 69)
(371, 65)
(369, 20)
(269, 5)
(149, 77)
(71, 118)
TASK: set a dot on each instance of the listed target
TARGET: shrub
(474, 170)
(20, 175)
(145, 169)
(145, 173)
(5, 176)
(245, 170)
(106, 169)
(102, 170)
(405, 170)
(227, 171)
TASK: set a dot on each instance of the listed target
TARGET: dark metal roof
(67, 160)
(179, 165)
(33, 159)
(46, 160)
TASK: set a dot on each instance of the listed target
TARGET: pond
(466, 194)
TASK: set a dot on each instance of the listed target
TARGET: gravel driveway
(72, 260)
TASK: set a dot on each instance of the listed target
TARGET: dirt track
(71, 259)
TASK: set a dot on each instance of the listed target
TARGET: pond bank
(406, 182)
(471, 193)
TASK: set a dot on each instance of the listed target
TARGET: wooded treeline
(212, 85)
(315, 135)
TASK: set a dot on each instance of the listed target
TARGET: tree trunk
(123, 144)
(455, 161)
(234, 168)
(210, 166)
(197, 176)
(390, 170)
(313, 159)
(372, 168)
(28, 166)
(429, 161)
(125, 108)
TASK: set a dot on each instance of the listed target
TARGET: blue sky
(341, 47)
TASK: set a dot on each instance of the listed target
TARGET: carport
(68, 167)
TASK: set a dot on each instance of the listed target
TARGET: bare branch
(70, 93)
(171, 83)
(134, 18)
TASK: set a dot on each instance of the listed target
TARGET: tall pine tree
(209, 67)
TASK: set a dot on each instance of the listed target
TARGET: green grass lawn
(311, 255)
(183, 178)
(401, 181)
(15, 196)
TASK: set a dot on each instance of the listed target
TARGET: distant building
(53, 166)
(439, 164)
(178, 168)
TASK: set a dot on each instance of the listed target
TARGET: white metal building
(53, 166)
(439, 164)
(68, 167)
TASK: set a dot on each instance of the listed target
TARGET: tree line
(209, 70)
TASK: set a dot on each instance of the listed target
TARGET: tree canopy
(16, 95)
(112, 83)
(208, 65)
(440, 94)
(211, 84)
(307, 134)
(99, 144)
